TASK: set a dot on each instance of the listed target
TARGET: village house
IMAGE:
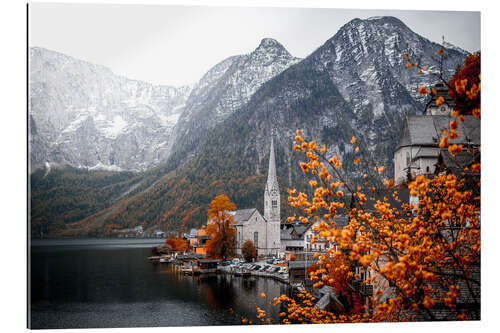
(418, 149)
(320, 244)
(418, 153)
(292, 236)
(199, 241)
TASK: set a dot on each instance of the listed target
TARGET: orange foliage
(177, 244)
(415, 256)
(465, 86)
(221, 227)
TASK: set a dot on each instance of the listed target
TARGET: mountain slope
(364, 59)
(224, 89)
(67, 194)
(233, 157)
(356, 83)
(82, 114)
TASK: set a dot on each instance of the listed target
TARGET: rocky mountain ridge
(84, 115)
(356, 83)
(224, 89)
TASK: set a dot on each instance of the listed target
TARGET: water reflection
(117, 287)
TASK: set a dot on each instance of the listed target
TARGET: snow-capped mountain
(356, 83)
(364, 60)
(225, 88)
(84, 115)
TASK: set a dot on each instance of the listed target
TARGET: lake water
(110, 283)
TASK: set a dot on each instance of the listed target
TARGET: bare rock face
(226, 88)
(219, 132)
(86, 116)
(364, 60)
(356, 83)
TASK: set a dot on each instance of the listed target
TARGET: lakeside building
(199, 241)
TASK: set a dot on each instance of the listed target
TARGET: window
(407, 159)
(362, 273)
(275, 203)
(427, 169)
(256, 239)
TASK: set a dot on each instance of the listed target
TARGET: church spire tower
(272, 191)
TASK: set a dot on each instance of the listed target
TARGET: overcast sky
(176, 45)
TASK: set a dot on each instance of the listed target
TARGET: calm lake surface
(110, 283)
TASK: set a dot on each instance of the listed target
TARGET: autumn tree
(176, 243)
(408, 261)
(221, 227)
(248, 250)
(465, 85)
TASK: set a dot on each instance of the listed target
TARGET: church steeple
(272, 191)
(272, 180)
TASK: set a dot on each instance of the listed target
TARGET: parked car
(256, 267)
(270, 261)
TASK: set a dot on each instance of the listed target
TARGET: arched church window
(256, 238)
(275, 203)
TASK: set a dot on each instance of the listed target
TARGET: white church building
(263, 231)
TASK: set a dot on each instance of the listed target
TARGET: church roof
(427, 130)
(243, 215)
